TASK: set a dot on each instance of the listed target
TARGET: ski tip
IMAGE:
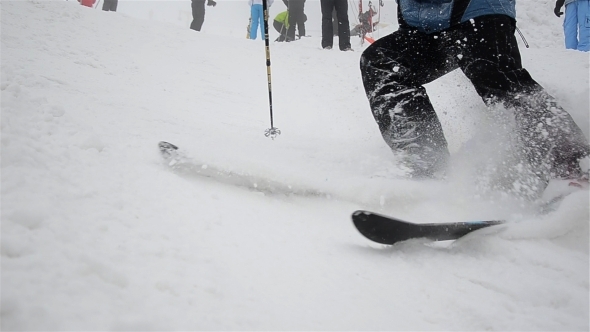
(163, 145)
(360, 212)
(362, 215)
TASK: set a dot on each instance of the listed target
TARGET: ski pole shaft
(272, 132)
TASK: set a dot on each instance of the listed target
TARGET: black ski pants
(341, 7)
(395, 68)
(110, 5)
(296, 18)
(198, 7)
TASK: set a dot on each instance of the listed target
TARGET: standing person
(198, 7)
(297, 18)
(257, 16)
(576, 23)
(341, 7)
(110, 5)
(476, 36)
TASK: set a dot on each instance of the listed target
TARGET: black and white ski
(388, 230)
(375, 227)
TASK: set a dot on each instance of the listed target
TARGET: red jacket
(87, 3)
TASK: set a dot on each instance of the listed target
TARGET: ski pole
(271, 132)
(249, 27)
(98, 3)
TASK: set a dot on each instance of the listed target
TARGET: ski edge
(466, 223)
(390, 230)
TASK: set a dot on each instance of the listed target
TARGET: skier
(577, 21)
(436, 37)
(257, 16)
(198, 7)
(366, 23)
(297, 18)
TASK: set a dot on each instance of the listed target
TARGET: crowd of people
(335, 22)
(335, 19)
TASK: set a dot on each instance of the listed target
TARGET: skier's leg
(341, 7)
(394, 69)
(570, 25)
(583, 25)
(280, 29)
(327, 28)
(301, 22)
(290, 35)
(278, 26)
(297, 11)
(335, 22)
(551, 140)
(198, 8)
(293, 15)
(255, 21)
(301, 28)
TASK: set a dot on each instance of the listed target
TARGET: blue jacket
(435, 15)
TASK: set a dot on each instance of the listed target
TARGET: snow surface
(99, 233)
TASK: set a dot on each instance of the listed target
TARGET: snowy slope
(97, 232)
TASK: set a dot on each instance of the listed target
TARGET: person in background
(198, 7)
(87, 3)
(257, 16)
(281, 24)
(476, 36)
(341, 7)
(366, 24)
(110, 5)
(297, 18)
(576, 24)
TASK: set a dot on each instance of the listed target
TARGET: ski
(375, 227)
(388, 230)
(188, 167)
(168, 150)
